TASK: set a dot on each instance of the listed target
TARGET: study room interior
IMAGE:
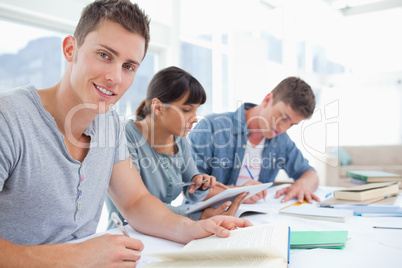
(349, 51)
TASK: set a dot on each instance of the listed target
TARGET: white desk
(366, 246)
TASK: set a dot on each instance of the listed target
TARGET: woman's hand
(228, 208)
(205, 181)
(254, 199)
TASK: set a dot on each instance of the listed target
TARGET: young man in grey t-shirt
(62, 149)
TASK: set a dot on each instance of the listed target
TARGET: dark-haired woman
(159, 148)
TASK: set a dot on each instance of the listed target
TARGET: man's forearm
(12, 255)
(158, 220)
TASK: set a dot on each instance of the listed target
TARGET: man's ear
(267, 99)
(69, 46)
(157, 106)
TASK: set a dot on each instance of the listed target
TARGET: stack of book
(368, 176)
(373, 199)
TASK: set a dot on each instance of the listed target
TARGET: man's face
(276, 119)
(105, 65)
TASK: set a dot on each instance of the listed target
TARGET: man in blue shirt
(250, 145)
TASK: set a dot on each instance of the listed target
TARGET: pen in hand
(251, 175)
(217, 184)
(182, 184)
(117, 221)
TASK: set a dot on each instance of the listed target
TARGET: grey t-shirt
(45, 195)
(161, 172)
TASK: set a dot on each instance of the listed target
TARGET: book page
(247, 209)
(256, 263)
(261, 241)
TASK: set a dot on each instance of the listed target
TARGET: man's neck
(251, 116)
(71, 119)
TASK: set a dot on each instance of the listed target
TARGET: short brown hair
(297, 93)
(123, 12)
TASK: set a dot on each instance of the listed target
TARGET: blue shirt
(219, 142)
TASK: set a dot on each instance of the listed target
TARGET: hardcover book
(368, 191)
(373, 176)
(318, 239)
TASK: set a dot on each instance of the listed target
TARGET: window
(30, 56)
(274, 47)
(301, 55)
(322, 65)
(33, 55)
(239, 50)
(197, 61)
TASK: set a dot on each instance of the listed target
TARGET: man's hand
(218, 225)
(228, 208)
(302, 189)
(103, 251)
(108, 250)
(254, 199)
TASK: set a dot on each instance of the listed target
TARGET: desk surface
(366, 246)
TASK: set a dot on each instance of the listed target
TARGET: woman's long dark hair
(169, 85)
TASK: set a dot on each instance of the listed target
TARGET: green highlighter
(318, 239)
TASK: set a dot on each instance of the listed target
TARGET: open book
(229, 194)
(251, 209)
(265, 245)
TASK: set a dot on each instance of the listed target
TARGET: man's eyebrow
(117, 54)
(290, 119)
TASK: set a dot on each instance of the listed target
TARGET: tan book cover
(367, 191)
